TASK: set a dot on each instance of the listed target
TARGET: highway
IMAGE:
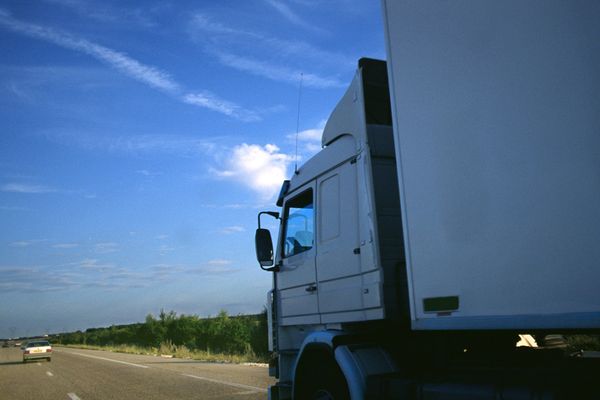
(89, 374)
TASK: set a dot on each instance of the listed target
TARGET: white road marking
(73, 396)
(245, 393)
(49, 373)
(237, 385)
(110, 359)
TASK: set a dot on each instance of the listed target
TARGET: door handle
(311, 288)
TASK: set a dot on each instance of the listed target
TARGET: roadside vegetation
(577, 343)
(223, 338)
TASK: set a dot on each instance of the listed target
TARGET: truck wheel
(323, 380)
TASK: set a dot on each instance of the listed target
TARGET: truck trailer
(454, 205)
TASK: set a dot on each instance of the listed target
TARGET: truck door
(296, 279)
(338, 258)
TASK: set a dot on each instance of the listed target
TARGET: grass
(169, 349)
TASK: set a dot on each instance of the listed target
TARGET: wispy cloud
(101, 11)
(179, 145)
(26, 188)
(88, 273)
(106, 247)
(292, 16)
(65, 245)
(25, 243)
(149, 75)
(233, 206)
(219, 261)
(165, 249)
(205, 28)
(212, 102)
(148, 173)
(232, 229)
(12, 208)
(33, 279)
(277, 73)
(131, 67)
(94, 264)
(163, 271)
(214, 267)
(204, 23)
(218, 37)
(261, 168)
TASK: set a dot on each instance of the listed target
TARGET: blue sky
(139, 140)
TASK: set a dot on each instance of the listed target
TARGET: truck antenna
(298, 123)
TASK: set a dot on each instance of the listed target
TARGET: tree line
(242, 334)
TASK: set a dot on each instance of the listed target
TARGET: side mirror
(264, 247)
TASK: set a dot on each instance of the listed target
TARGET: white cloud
(149, 75)
(26, 188)
(309, 140)
(261, 168)
(311, 135)
(232, 229)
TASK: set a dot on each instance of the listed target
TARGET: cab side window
(299, 222)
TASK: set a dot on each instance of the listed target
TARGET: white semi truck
(455, 204)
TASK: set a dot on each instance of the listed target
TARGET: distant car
(5, 344)
(37, 349)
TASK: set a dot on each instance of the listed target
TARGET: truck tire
(322, 379)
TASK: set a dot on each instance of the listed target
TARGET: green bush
(182, 335)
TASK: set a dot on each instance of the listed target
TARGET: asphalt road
(88, 374)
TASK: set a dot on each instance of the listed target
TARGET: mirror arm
(273, 214)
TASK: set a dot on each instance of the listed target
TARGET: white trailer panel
(496, 109)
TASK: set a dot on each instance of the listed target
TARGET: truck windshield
(299, 232)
